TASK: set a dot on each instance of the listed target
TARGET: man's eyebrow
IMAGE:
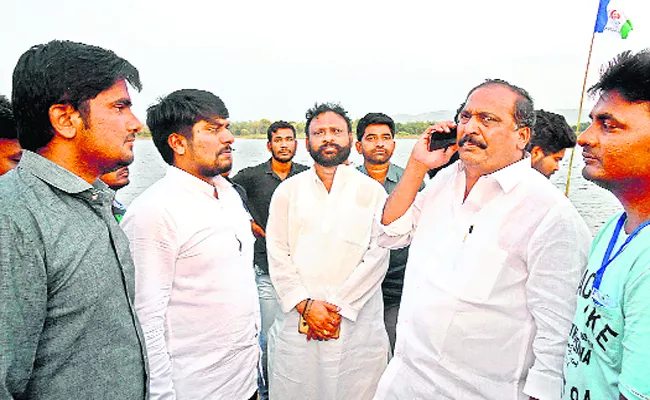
(124, 102)
(488, 114)
(602, 116)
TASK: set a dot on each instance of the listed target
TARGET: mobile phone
(303, 327)
(442, 140)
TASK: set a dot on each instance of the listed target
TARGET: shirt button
(94, 196)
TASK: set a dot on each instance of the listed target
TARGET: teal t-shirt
(609, 344)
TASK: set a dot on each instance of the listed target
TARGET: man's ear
(524, 137)
(268, 146)
(65, 120)
(357, 145)
(536, 154)
(307, 143)
(178, 143)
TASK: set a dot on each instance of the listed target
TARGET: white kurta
(323, 246)
(195, 288)
(489, 291)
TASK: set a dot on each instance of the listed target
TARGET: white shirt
(489, 291)
(195, 296)
(322, 245)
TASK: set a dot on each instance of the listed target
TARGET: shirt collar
(55, 175)
(341, 171)
(509, 176)
(267, 168)
(191, 182)
(392, 174)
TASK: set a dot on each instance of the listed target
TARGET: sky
(275, 59)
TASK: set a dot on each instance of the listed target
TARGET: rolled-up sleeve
(23, 304)
(557, 255)
(154, 249)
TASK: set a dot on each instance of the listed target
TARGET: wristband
(304, 310)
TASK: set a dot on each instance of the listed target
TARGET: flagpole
(582, 97)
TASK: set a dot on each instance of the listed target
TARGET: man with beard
(192, 245)
(550, 138)
(259, 183)
(376, 143)
(327, 270)
(496, 254)
(116, 180)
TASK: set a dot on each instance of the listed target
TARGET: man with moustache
(376, 143)
(551, 136)
(327, 269)
(260, 182)
(116, 180)
(496, 253)
(68, 329)
(192, 246)
(10, 150)
(609, 345)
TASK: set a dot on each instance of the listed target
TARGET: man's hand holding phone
(436, 145)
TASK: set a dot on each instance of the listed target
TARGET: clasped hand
(323, 319)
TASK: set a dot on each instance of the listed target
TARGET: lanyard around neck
(607, 258)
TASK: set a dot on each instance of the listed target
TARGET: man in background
(192, 246)
(260, 182)
(116, 180)
(68, 329)
(550, 138)
(376, 143)
(608, 352)
(10, 150)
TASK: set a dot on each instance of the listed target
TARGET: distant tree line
(257, 129)
(583, 126)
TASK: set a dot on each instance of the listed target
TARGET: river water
(595, 205)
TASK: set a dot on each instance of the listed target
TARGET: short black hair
(551, 133)
(374, 119)
(178, 112)
(628, 74)
(61, 72)
(322, 108)
(524, 113)
(7, 123)
(279, 125)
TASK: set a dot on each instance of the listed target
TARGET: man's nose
(587, 138)
(134, 125)
(227, 137)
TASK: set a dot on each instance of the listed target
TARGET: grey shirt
(68, 329)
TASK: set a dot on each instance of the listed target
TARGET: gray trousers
(390, 320)
(269, 308)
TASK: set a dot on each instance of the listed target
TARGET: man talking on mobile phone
(496, 254)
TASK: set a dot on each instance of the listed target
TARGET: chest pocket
(356, 219)
(355, 225)
(476, 270)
